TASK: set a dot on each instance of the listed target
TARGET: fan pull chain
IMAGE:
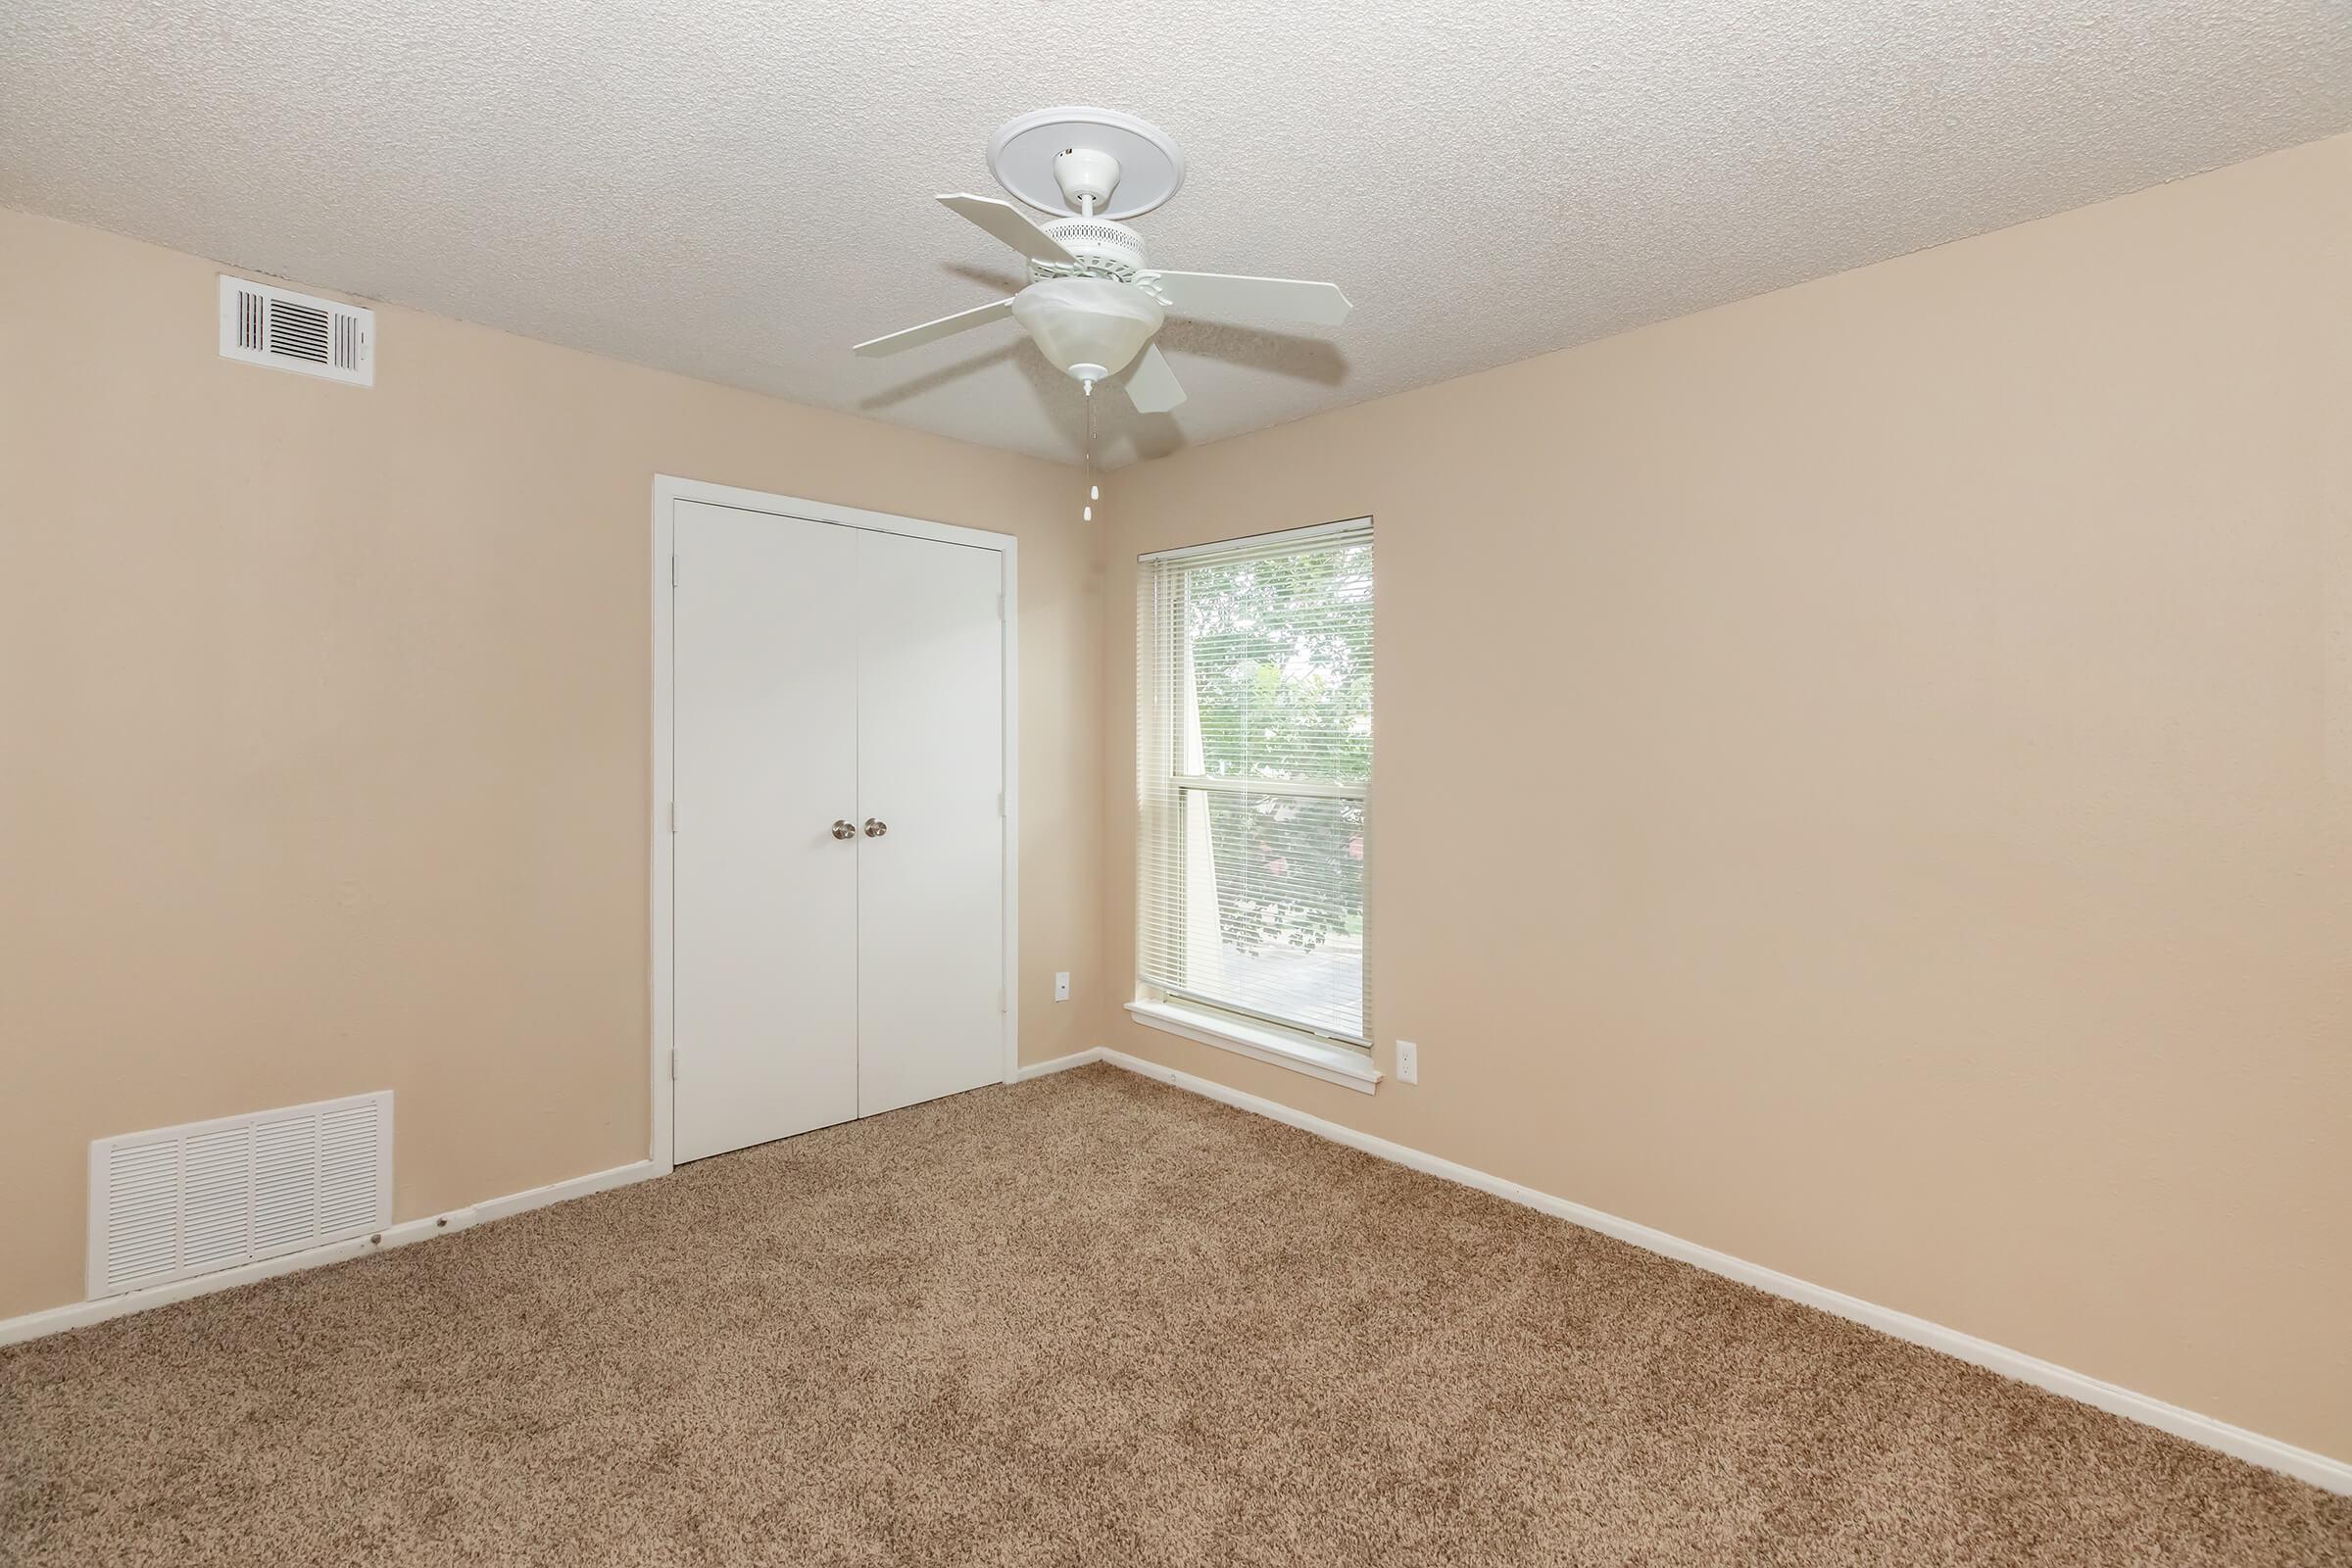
(1094, 491)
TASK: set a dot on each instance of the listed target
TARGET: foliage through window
(1255, 757)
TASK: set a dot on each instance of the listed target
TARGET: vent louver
(190, 1199)
(262, 325)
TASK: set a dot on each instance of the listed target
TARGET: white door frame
(668, 492)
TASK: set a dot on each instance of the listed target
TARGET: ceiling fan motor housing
(1100, 246)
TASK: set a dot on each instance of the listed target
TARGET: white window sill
(1336, 1064)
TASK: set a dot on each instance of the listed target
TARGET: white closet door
(764, 640)
(930, 765)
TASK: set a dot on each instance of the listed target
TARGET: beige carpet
(1090, 1319)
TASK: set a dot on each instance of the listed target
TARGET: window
(1254, 753)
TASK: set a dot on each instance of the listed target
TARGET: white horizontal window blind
(1254, 759)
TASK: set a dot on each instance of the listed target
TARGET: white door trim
(669, 490)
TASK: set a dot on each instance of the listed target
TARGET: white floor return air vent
(262, 325)
(211, 1195)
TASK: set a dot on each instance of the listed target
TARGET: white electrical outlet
(1061, 986)
(1409, 1062)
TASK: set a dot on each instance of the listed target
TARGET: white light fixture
(1090, 328)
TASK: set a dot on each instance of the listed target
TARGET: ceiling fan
(1092, 304)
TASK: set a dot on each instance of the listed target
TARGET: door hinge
(1000, 802)
(673, 816)
(1000, 606)
(1000, 999)
(673, 571)
(673, 1064)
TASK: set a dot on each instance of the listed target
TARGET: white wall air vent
(261, 325)
(211, 1195)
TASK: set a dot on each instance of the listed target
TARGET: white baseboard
(1039, 1069)
(598, 1181)
(2334, 1475)
(74, 1316)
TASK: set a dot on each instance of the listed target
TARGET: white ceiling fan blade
(1010, 224)
(931, 332)
(1217, 294)
(1151, 386)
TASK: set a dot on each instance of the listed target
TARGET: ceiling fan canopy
(1093, 305)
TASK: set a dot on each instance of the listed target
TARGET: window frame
(1162, 780)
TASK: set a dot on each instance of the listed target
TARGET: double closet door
(838, 747)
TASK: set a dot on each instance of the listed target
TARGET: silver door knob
(844, 829)
(875, 827)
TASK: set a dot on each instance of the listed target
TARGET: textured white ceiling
(741, 190)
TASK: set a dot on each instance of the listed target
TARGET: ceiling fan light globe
(1090, 328)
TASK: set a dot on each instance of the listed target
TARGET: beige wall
(1865, 779)
(325, 720)
(1865, 776)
